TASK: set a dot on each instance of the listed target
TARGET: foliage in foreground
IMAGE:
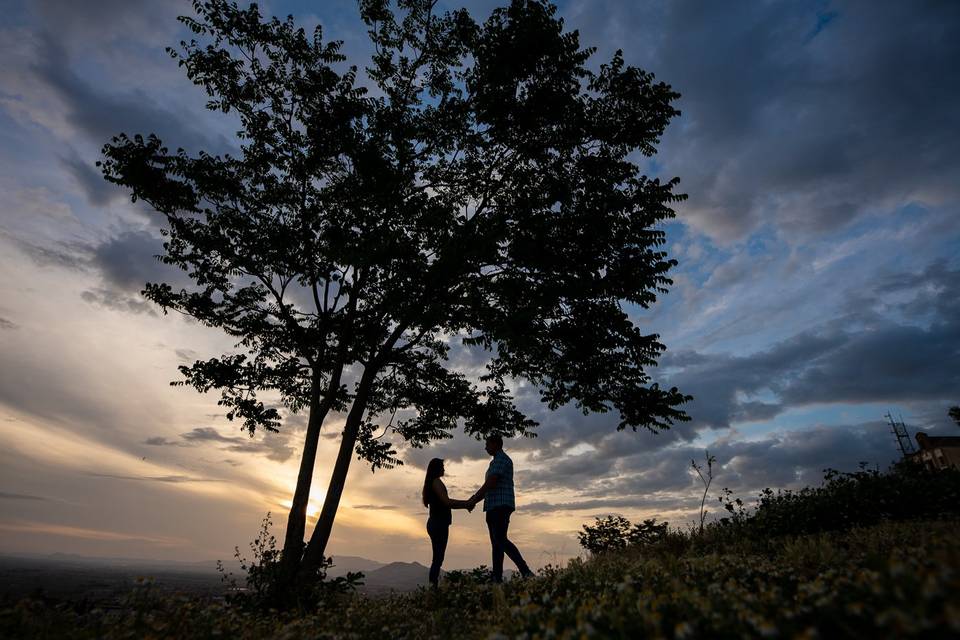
(896, 579)
(616, 532)
(866, 497)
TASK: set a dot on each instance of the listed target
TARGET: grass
(894, 579)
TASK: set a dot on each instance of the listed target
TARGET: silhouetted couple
(498, 504)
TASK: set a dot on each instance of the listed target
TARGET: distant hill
(71, 576)
(396, 576)
(344, 564)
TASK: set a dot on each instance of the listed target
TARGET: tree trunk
(297, 520)
(314, 554)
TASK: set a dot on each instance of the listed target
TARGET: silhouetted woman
(438, 524)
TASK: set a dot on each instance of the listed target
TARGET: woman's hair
(434, 471)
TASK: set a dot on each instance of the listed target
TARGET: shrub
(265, 587)
(616, 532)
(845, 500)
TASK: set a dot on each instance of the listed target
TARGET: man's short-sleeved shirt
(502, 494)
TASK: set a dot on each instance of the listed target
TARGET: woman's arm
(441, 491)
(488, 484)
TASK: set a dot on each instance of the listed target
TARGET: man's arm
(489, 484)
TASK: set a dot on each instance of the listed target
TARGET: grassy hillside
(863, 555)
(887, 580)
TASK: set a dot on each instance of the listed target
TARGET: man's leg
(511, 549)
(498, 534)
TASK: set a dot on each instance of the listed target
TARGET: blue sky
(818, 283)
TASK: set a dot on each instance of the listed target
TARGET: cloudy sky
(818, 285)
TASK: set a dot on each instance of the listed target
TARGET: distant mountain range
(73, 574)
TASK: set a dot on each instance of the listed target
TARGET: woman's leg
(439, 534)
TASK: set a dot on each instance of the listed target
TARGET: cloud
(65, 255)
(867, 357)
(105, 22)
(275, 446)
(118, 301)
(20, 496)
(99, 114)
(374, 507)
(98, 191)
(128, 261)
(611, 504)
(85, 533)
(171, 479)
(7, 325)
(792, 121)
(799, 457)
(663, 480)
(891, 342)
(186, 355)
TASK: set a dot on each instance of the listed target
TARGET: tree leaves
(482, 198)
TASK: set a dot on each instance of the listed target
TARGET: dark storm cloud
(792, 119)
(275, 446)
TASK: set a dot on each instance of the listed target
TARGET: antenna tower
(899, 430)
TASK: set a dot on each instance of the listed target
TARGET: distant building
(938, 452)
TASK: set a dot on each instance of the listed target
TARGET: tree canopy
(476, 187)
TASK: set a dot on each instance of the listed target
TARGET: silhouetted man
(498, 504)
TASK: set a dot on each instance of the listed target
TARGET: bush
(616, 532)
(845, 500)
(265, 587)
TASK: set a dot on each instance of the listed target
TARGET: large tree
(475, 188)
